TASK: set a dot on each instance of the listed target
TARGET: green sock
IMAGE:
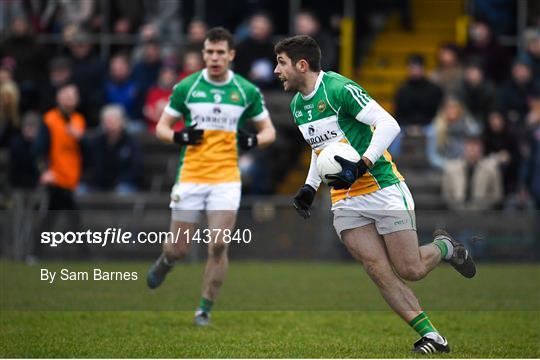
(422, 325)
(443, 247)
(205, 304)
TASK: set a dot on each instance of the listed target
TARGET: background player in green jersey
(215, 104)
(373, 208)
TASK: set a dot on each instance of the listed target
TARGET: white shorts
(391, 209)
(189, 199)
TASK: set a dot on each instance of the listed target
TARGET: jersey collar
(230, 75)
(317, 84)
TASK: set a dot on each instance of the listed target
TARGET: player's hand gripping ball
(339, 165)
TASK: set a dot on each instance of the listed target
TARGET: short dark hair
(301, 47)
(219, 33)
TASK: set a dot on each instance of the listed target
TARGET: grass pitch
(266, 309)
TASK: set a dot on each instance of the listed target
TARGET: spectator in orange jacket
(59, 153)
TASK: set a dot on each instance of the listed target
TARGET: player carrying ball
(215, 104)
(373, 208)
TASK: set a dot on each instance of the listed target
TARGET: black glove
(350, 171)
(246, 140)
(303, 199)
(188, 136)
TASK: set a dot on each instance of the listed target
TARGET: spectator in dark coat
(255, 56)
(307, 23)
(476, 92)
(29, 57)
(116, 156)
(146, 72)
(514, 94)
(500, 143)
(60, 73)
(88, 75)
(418, 98)
(23, 172)
(484, 48)
(532, 53)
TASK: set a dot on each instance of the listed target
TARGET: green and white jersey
(219, 109)
(338, 109)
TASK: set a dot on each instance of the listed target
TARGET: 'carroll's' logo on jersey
(321, 106)
(329, 135)
(311, 130)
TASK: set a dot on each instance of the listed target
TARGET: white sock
(435, 336)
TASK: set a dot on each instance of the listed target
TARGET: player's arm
(173, 113)
(356, 102)
(386, 130)
(266, 133)
(256, 111)
(188, 136)
(306, 194)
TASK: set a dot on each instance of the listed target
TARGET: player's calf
(158, 271)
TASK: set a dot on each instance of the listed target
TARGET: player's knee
(217, 250)
(411, 273)
(176, 253)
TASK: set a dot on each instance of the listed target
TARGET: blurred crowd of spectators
(480, 113)
(118, 96)
(480, 108)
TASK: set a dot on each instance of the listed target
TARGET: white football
(327, 165)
